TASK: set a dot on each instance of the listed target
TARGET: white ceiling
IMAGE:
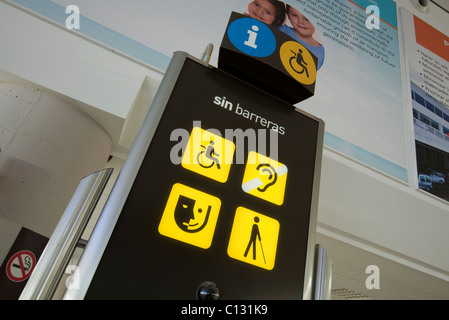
(397, 281)
(443, 4)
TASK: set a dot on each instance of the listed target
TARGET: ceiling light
(349, 294)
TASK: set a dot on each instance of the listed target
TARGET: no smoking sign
(20, 262)
(20, 266)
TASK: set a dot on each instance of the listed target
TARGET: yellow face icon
(254, 238)
(298, 62)
(265, 178)
(190, 216)
(208, 154)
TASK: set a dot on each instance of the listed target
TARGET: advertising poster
(358, 89)
(427, 63)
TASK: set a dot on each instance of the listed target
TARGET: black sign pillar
(268, 58)
(217, 197)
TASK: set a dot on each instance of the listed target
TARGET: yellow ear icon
(265, 178)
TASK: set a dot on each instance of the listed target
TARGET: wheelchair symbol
(299, 61)
(209, 153)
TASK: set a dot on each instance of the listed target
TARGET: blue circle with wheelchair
(252, 37)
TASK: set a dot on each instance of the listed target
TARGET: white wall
(69, 75)
(46, 147)
(103, 83)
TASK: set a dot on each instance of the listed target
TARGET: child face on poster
(302, 26)
(270, 12)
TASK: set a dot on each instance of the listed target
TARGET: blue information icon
(252, 37)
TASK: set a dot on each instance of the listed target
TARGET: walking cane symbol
(255, 235)
(263, 254)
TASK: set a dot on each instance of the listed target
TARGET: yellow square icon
(254, 238)
(265, 178)
(208, 154)
(190, 216)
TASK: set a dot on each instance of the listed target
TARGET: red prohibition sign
(20, 265)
